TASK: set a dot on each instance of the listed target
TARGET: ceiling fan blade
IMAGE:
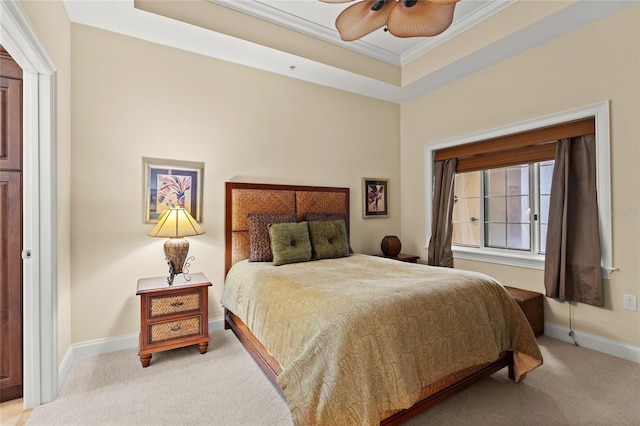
(441, 1)
(359, 19)
(424, 19)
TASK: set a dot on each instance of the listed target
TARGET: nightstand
(532, 304)
(173, 316)
(402, 257)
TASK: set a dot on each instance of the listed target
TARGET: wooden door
(10, 228)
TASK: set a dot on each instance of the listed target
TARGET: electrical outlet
(629, 302)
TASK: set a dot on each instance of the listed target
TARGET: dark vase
(391, 246)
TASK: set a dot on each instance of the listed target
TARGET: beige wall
(594, 64)
(501, 25)
(51, 24)
(134, 99)
(206, 14)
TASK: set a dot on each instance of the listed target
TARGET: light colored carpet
(575, 386)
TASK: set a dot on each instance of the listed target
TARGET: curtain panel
(572, 259)
(439, 253)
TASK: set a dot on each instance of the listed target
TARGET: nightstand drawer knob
(176, 329)
(178, 303)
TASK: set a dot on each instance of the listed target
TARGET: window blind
(520, 148)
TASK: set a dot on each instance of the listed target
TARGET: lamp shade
(174, 223)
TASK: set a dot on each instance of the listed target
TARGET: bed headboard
(244, 198)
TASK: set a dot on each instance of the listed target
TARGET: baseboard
(65, 367)
(110, 344)
(597, 343)
(128, 341)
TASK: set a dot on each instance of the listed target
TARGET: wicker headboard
(244, 198)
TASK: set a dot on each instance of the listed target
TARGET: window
(473, 160)
(504, 208)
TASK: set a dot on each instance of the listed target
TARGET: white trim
(597, 343)
(502, 257)
(458, 27)
(603, 164)
(65, 367)
(111, 344)
(93, 348)
(122, 342)
(269, 13)
(104, 346)
(39, 215)
(122, 17)
(276, 16)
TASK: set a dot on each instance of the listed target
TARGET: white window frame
(600, 112)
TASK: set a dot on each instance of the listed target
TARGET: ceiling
(483, 33)
(317, 19)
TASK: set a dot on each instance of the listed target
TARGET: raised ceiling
(483, 33)
(317, 19)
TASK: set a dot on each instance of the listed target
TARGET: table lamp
(176, 223)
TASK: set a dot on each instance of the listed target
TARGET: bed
(357, 339)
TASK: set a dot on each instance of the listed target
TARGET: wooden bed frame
(243, 198)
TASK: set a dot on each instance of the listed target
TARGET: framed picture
(375, 194)
(170, 183)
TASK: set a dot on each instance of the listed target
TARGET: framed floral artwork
(375, 194)
(172, 183)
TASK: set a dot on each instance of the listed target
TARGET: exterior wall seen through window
(503, 208)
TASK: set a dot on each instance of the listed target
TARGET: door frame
(40, 285)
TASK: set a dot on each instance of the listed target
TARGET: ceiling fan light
(424, 19)
(360, 19)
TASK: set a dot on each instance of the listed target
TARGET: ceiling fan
(402, 18)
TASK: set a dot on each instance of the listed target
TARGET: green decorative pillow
(260, 245)
(312, 217)
(328, 239)
(290, 242)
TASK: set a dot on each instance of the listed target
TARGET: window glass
(545, 175)
(518, 236)
(518, 209)
(506, 205)
(495, 182)
(466, 210)
(497, 235)
(496, 209)
(517, 180)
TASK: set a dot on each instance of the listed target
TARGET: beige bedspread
(361, 335)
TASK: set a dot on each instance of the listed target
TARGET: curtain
(441, 229)
(572, 259)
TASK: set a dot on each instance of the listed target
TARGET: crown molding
(275, 16)
(457, 27)
(264, 11)
(122, 17)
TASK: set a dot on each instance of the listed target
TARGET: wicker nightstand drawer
(163, 331)
(168, 305)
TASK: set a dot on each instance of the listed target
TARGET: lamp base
(175, 251)
(185, 272)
